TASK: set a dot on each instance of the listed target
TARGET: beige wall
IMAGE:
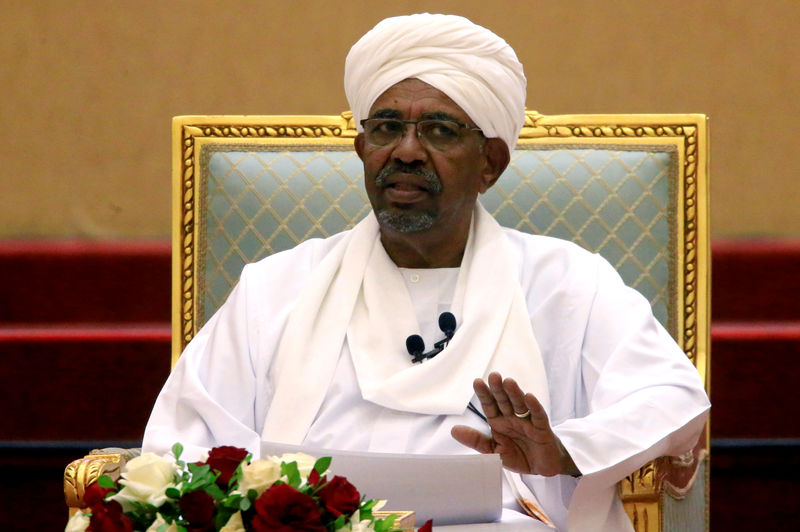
(88, 89)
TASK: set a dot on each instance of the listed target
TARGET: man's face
(414, 188)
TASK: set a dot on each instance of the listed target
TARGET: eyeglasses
(440, 135)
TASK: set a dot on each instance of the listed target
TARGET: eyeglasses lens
(437, 134)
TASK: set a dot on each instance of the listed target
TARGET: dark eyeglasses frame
(423, 140)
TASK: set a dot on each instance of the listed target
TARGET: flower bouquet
(228, 492)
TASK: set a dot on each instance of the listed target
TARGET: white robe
(621, 391)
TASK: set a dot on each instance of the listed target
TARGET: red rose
(339, 497)
(94, 494)
(108, 517)
(284, 509)
(198, 509)
(225, 459)
(314, 478)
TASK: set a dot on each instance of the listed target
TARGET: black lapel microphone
(416, 345)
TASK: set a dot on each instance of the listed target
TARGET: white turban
(477, 69)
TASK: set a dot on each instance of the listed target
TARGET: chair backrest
(633, 188)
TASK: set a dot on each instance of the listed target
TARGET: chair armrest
(670, 481)
(82, 472)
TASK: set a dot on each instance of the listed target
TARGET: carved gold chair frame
(220, 163)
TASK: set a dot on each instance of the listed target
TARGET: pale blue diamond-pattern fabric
(612, 201)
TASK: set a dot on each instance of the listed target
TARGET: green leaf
(292, 474)
(222, 517)
(233, 483)
(170, 511)
(201, 477)
(252, 494)
(386, 524)
(245, 504)
(173, 493)
(177, 450)
(142, 514)
(369, 505)
(339, 523)
(322, 464)
(231, 501)
(215, 492)
(199, 470)
(104, 481)
(143, 507)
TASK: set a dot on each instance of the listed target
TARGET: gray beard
(406, 222)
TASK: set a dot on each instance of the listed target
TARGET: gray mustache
(432, 180)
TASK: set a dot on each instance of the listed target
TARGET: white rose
(234, 524)
(258, 475)
(79, 522)
(305, 462)
(146, 479)
(160, 521)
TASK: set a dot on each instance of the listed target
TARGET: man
(310, 346)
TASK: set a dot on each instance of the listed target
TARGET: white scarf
(358, 295)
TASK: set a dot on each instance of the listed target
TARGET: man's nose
(409, 148)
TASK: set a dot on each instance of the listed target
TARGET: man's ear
(497, 159)
(359, 145)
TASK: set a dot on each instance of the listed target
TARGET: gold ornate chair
(633, 188)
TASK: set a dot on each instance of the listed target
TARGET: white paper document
(451, 489)
(511, 521)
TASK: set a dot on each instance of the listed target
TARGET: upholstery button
(414, 277)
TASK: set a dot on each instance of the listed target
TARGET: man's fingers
(515, 396)
(472, 439)
(538, 414)
(533, 404)
(501, 397)
(499, 394)
(486, 398)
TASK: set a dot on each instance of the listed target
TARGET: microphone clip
(416, 345)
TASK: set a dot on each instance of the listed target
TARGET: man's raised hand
(520, 430)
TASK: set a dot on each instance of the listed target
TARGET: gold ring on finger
(524, 415)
